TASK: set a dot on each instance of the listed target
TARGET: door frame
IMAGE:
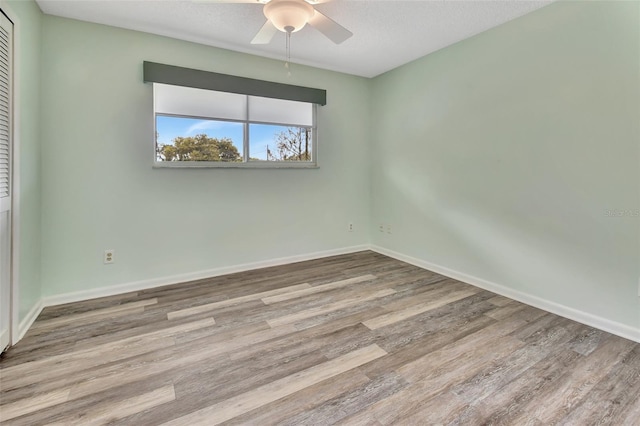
(15, 175)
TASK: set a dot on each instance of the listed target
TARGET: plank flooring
(358, 339)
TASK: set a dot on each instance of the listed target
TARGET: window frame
(245, 163)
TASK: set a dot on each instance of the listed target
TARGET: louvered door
(6, 81)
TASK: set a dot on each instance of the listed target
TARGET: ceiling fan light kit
(288, 16)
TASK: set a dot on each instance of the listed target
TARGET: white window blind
(269, 110)
(186, 101)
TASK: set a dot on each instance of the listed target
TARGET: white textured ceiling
(387, 33)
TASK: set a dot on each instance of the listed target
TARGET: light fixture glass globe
(288, 13)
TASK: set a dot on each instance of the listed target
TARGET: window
(204, 118)
(208, 128)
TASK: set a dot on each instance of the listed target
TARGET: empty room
(290, 212)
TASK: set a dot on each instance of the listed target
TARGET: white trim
(28, 320)
(601, 323)
(190, 276)
(5, 339)
(263, 164)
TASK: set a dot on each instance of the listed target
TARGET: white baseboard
(76, 296)
(27, 321)
(604, 324)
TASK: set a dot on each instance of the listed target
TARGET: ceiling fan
(290, 16)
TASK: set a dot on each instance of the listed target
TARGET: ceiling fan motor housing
(288, 14)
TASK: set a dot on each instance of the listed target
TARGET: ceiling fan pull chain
(288, 46)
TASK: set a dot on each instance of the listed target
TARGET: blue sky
(261, 135)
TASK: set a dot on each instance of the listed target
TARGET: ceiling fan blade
(265, 34)
(224, 1)
(330, 28)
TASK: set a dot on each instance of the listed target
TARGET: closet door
(6, 81)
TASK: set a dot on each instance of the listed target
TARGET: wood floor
(359, 339)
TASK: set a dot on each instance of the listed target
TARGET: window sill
(219, 165)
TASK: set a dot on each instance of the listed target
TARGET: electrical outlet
(388, 229)
(109, 256)
(350, 227)
(381, 228)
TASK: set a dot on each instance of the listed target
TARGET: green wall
(28, 35)
(100, 191)
(499, 156)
